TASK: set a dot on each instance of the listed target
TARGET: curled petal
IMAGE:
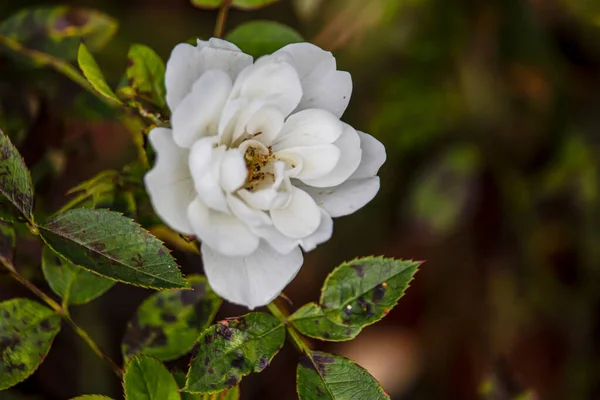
(253, 280)
(187, 63)
(350, 157)
(309, 128)
(169, 183)
(272, 78)
(317, 161)
(223, 232)
(300, 218)
(199, 113)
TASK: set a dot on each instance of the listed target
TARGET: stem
(64, 313)
(294, 335)
(222, 18)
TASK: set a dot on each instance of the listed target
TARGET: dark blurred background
(490, 113)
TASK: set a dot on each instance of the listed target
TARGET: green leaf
(323, 376)
(148, 379)
(27, 330)
(354, 295)
(59, 30)
(111, 245)
(15, 180)
(240, 4)
(92, 397)
(7, 243)
(168, 323)
(146, 74)
(71, 282)
(231, 394)
(94, 75)
(232, 349)
(258, 38)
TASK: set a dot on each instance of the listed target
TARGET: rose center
(260, 168)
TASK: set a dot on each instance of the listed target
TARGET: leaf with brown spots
(322, 376)
(146, 378)
(230, 394)
(232, 349)
(71, 282)
(27, 330)
(168, 323)
(114, 246)
(354, 295)
(15, 179)
(145, 76)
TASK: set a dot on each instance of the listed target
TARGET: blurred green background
(490, 113)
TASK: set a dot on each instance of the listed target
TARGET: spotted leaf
(355, 294)
(230, 394)
(322, 376)
(27, 330)
(146, 378)
(168, 323)
(232, 349)
(111, 245)
(145, 75)
(71, 282)
(15, 179)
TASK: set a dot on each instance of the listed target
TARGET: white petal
(265, 124)
(233, 170)
(224, 233)
(199, 113)
(277, 240)
(373, 157)
(349, 145)
(251, 216)
(300, 218)
(322, 234)
(253, 280)
(205, 166)
(317, 161)
(345, 198)
(322, 86)
(308, 128)
(272, 78)
(169, 183)
(187, 63)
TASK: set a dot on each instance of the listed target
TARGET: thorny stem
(64, 314)
(222, 18)
(294, 335)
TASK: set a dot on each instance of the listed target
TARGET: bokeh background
(490, 113)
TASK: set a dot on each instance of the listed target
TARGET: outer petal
(187, 63)
(322, 234)
(199, 113)
(169, 183)
(349, 146)
(277, 240)
(346, 198)
(272, 78)
(373, 156)
(322, 86)
(309, 128)
(224, 233)
(253, 280)
(300, 218)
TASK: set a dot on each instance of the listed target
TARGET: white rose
(257, 161)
